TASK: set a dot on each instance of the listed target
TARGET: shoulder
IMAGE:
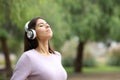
(57, 53)
(28, 53)
(24, 58)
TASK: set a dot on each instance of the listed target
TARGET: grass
(100, 69)
(2, 77)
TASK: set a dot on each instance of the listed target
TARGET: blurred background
(86, 32)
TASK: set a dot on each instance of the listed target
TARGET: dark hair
(32, 44)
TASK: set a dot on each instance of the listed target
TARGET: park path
(95, 76)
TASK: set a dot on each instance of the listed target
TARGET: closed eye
(41, 25)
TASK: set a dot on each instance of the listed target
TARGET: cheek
(39, 32)
(42, 33)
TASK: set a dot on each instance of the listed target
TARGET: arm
(22, 69)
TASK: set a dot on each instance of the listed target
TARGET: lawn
(99, 69)
(2, 77)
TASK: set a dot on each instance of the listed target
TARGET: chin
(49, 37)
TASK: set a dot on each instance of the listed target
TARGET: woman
(39, 61)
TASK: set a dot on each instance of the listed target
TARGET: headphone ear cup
(31, 34)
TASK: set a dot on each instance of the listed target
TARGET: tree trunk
(7, 58)
(79, 57)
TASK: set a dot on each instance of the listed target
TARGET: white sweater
(34, 66)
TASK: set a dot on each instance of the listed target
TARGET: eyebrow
(41, 23)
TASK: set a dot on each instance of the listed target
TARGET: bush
(89, 60)
(114, 58)
(69, 62)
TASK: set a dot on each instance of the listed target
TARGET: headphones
(31, 33)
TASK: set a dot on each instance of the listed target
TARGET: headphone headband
(26, 26)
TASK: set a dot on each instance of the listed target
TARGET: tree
(90, 20)
(3, 35)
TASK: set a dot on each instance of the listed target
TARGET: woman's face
(43, 30)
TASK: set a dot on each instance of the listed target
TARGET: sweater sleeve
(22, 69)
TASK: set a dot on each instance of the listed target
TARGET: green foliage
(3, 33)
(3, 77)
(56, 19)
(114, 58)
(68, 62)
(93, 19)
(21, 11)
(87, 19)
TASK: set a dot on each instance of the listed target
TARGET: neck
(43, 47)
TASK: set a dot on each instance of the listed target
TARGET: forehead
(40, 21)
